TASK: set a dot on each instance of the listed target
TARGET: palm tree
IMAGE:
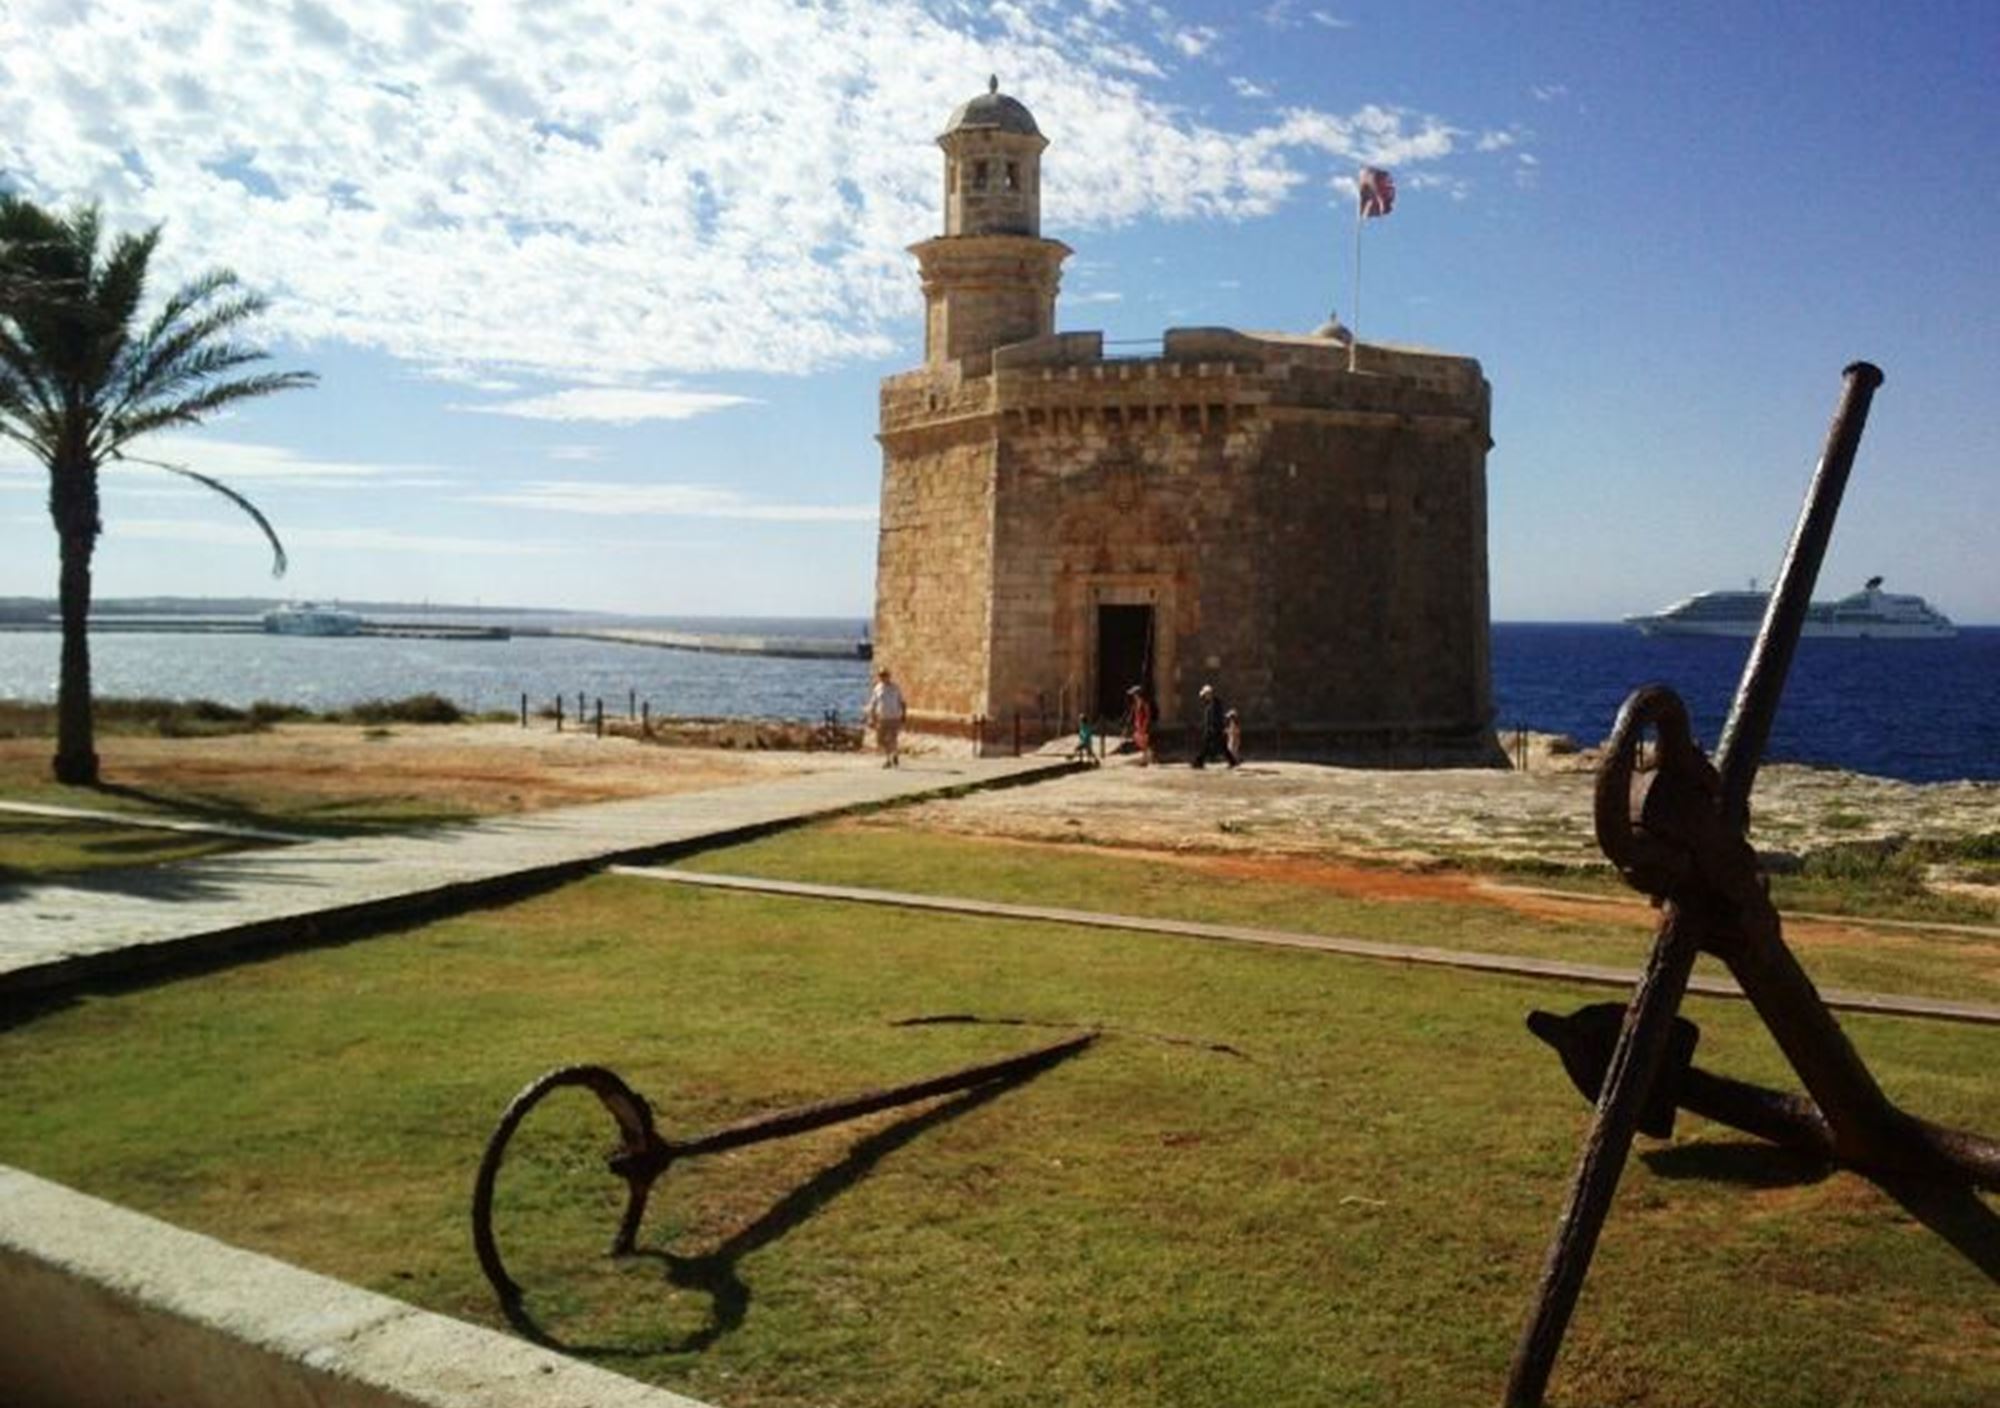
(81, 378)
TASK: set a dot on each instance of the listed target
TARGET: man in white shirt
(885, 716)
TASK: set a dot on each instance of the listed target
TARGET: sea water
(1920, 710)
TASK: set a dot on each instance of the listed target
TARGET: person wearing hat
(885, 715)
(1139, 723)
(1213, 743)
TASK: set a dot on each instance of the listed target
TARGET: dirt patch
(481, 769)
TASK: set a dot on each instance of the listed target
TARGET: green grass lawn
(1350, 1211)
(884, 856)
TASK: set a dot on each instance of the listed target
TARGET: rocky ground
(1541, 814)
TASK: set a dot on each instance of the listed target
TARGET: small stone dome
(995, 109)
(1333, 330)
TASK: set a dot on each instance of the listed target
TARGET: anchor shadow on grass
(1952, 1210)
(715, 1272)
(1746, 1163)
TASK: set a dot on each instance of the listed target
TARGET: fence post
(631, 703)
(600, 718)
(559, 704)
(524, 709)
(646, 718)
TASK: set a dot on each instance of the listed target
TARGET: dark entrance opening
(1124, 657)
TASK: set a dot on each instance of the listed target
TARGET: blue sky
(599, 294)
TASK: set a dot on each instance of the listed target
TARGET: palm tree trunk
(73, 506)
(76, 743)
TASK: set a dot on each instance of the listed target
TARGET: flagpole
(1354, 327)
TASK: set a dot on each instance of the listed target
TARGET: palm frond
(159, 365)
(279, 562)
(20, 369)
(188, 296)
(121, 283)
(82, 231)
(189, 410)
(32, 444)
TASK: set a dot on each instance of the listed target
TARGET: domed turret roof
(994, 108)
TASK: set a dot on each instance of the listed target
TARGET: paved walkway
(114, 921)
(1516, 965)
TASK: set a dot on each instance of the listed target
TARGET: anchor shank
(1867, 1128)
(1770, 659)
(1635, 1062)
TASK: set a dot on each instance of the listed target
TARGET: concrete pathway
(1515, 965)
(119, 920)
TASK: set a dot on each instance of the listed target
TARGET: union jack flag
(1378, 192)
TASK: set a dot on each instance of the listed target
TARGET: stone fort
(1298, 520)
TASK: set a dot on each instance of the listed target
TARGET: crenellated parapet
(1202, 376)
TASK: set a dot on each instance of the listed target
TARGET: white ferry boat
(1869, 614)
(305, 618)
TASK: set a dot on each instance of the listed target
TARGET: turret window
(978, 175)
(1013, 175)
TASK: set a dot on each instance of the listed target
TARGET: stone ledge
(101, 1305)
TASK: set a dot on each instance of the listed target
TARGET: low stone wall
(101, 1307)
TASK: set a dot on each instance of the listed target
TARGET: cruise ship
(1869, 614)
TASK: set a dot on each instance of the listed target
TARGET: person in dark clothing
(1213, 743)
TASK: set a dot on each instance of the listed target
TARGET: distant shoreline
(39, 610)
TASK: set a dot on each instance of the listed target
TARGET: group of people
(1221, 726)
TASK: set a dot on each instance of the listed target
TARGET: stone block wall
(933, 576)
(1311, 540)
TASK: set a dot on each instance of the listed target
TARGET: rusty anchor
(643, 1154)
(1677, 832)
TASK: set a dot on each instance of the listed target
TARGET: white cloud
(1548, 92)
(498, 192)
(576, 452)
(1194, 41)
(1247, 89)
(609, 499)
(613, 405)
(1327, 20)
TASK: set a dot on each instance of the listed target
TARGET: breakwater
(783, 647)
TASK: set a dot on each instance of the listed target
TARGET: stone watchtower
(1305, 529)
(991, 278)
